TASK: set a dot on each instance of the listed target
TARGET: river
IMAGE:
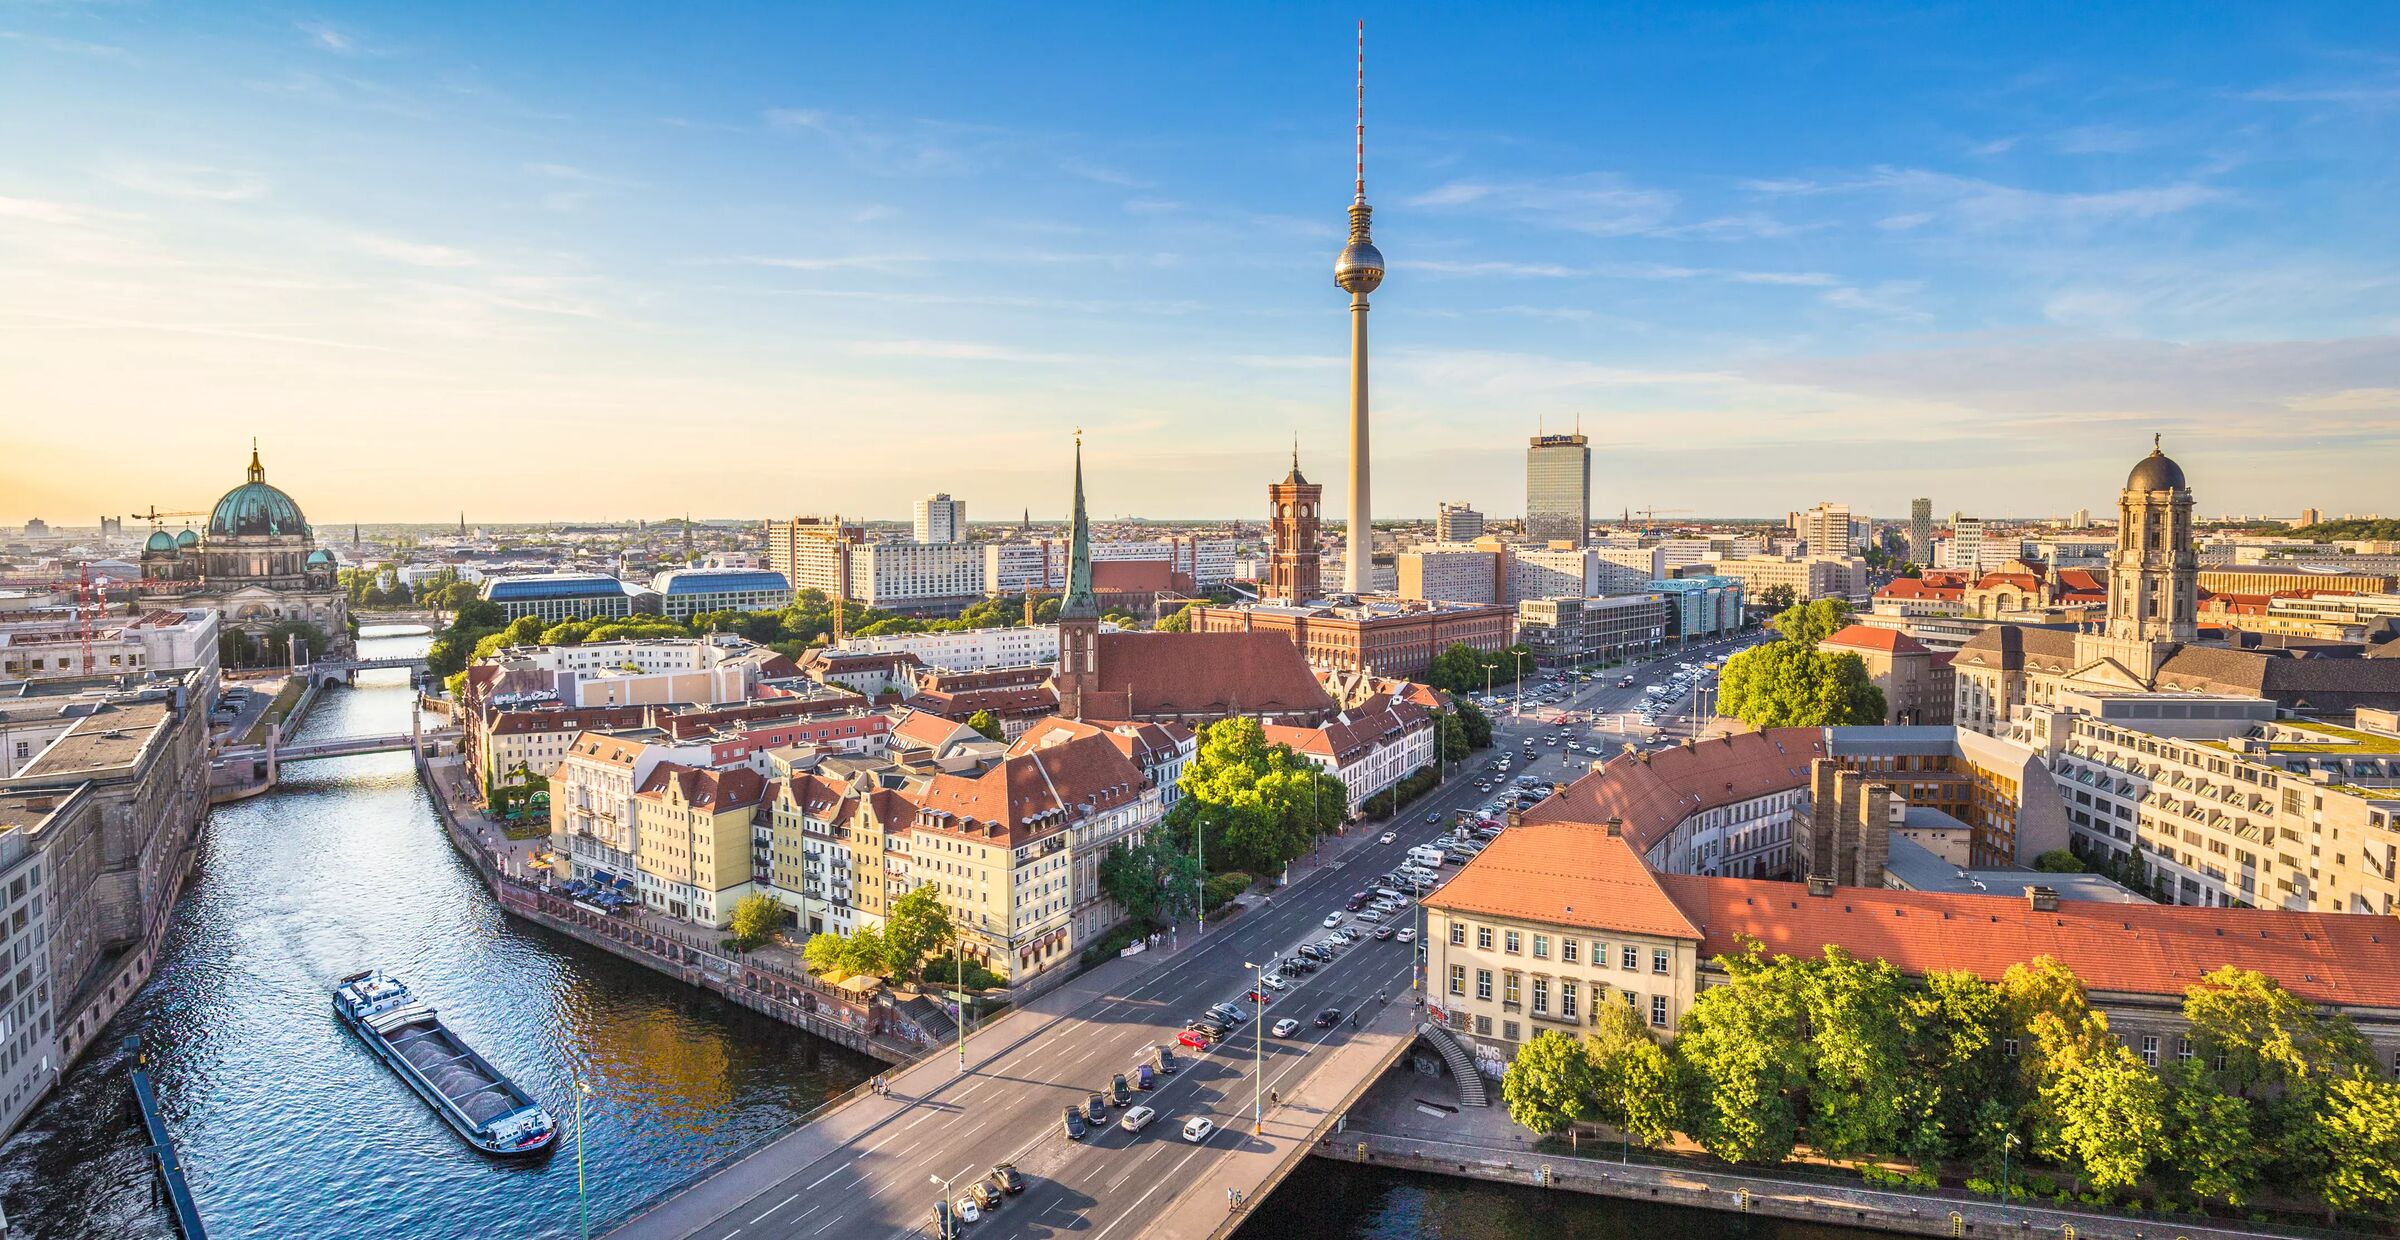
(288, 1128)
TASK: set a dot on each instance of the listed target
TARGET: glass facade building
(1558, 489)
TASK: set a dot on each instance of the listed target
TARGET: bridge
(345, 671)
(277, 752)
(873, 1164)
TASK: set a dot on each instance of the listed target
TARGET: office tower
(1457, 523)
(941, 519)
(1558, 489)
(1826, 529)
(1920, 531)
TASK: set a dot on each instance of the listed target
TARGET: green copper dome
(160, 540)
(187, 540)
(320, 556)
(255, 508)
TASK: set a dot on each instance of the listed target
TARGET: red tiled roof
(2125, 948)
(1351, 734)
(706, 787)
(1567, 873)
(919, 727)
(1010, 795)
(2081, 581)
(1654, 792)
(1889, 641)
(1203, 675)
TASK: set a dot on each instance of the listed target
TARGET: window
(1512, 988)
(2183, 1049)
(1567, 950)
(1541, 947)
(1508, 1030)
(1566, 1000)
(1541, 996)
(1483, 937)
(1658, 960)
(1458, 934)
(1483, 983)
(2008, 1047)
(1458, 979)
(1483, 1026)
(1513, 943)
(1632, 958)
(1632, 999)
(2150, 1049)
(1658, 1010)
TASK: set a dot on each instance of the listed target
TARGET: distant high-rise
(1920, 531)
(1826, 529)
(1457, 523)
(2080, 519)
(1558, 489)
(1359, 271)
(2309, 517)
(941, 519)
(1292, 508)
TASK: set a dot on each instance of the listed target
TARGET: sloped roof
(1564, 873)
(2130, 949)
(1654, 792)
(1203, 675)
(1889, 641)
(706, 788)
(1063, 779)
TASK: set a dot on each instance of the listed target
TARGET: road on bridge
(883, 1178)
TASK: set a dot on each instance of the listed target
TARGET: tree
(1810, 623)
(1455, 748)
(1956, 1055)
(1153, 881)
(988, 724)
(823, 953)
(1743, 1044)
(1859, 1029)
(1792, 684)
(1633, 1077)
(1261, 805)
(863, 954)
(1179, 622)
(2359, 1134)
(2112, 1114)
(1776, 598)
(1458, 669)
(2043, 1007)
(755, 918)
(1473, 722)
(1549, 1085)
(2059, 861)
(2269, 1039)
(916, 926)
(2211, 1149)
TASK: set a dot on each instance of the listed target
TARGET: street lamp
(2007, 1141)
(950, 1225)
(1258, 1051)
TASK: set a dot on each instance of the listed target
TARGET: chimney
(1820, 885)
(1558, 788)
(1516, 816)
(2044, 899)
(1616, 828)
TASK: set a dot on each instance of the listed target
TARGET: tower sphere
(2155, 472)
(1360, 267)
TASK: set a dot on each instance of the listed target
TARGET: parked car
(1286, 1027)
(942, 1226)
(1197, 1128)
(986, 1196)
(1007, 1178)
(1145, 1076)
(966, 1209)
(1194, 1039)
(1137, 1119)
(1120, 1092)
(1095, 1109)
(1074, 1121)
(1333, 919)
(1274, 983)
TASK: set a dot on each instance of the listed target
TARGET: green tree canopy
(2360, 1135)
(1810, 623)
(1153, 881)
(1179, 622)
(916, 927)
(755, 918)
(1633, 1078)
(1787, 684)
(1549, 1085)
(1261, 805)
(1473, 722)
(988, 724)
(1744, 1044)
(863, 954)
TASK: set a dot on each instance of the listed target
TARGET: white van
(1424, 855)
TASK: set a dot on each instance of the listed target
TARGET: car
(941, 1219)
(1355, 902)
(1273, 982)
(1120, 1091)
(1136, 1119)
(1434, 815)
(1075, 1124)
(1328, 1018)
(1370, 916)
(1231, 1011)
(986, 1196)
(1407, 936)
(1007, 1178)
(1333, 919)
(1192, 1038)
(1258, 995)
(1382, 933)
(1210, 1025)
(1388, 836)
(1286, 1027)
(966, 1209)
(1349, 934)
(1095, 1109)
(1197, 1128)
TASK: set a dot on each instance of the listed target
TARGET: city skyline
(373, 239)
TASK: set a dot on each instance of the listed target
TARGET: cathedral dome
(160, 541)
(2155, 472)
(255, 508)
(320, 556)
(187, 540)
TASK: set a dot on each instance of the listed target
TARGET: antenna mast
(1362, 110)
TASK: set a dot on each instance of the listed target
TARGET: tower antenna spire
(1362, 110)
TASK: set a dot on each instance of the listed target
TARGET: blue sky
(604, 261)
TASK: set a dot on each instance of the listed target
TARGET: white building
(1369, 748)
(905, 576)
(1040, 565)
(591, 797)
(941, 519)
(975, 650)
(1826, 530)
(49, 644)
(687, 592)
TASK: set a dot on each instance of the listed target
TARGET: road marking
(821, 1230)
(773, 1208)
(827, 1176)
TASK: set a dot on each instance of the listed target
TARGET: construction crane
(91, 603)
(1650, 517)
(154, 516)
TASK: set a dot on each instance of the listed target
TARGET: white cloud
(2347, 400)
(325, 38)
(2100, 139)
(843, 262)
(1891, 298)
(41, 212)
(189, 182)
(414, 253)
(954, 351)
(1596, 203)
(1904, 221)
(1997, 146)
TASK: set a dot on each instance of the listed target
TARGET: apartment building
(975, 650)
(692, 839)
(1826, 530)
(1915, 680)
(1369, 747)
(55, 643)
(1701, 608)
(592, 790)
(1809, 578)
(1451, 573)
(813, 553)
(2210, 799)
(1610, 628)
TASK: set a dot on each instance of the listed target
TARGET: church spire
(258, 472)
(1079, 601)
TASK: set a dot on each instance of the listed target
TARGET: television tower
(1359, 270)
